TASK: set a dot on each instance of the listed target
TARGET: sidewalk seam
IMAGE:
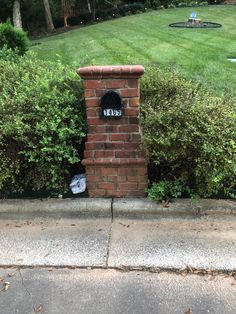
(108, 244)
(112, 210)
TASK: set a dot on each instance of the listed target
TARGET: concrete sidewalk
(110, 261)
(206, 242)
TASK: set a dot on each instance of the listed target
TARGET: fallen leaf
(38, 309)
(124, 225)
(6, 285)
(11, 274)
(189, 268)
(233, 283)
(189, 311)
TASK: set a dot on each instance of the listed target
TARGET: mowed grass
(200, 54)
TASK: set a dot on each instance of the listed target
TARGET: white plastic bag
(78, 183)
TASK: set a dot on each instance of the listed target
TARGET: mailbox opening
(111, 105)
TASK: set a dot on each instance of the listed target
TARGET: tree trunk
(94, 10)
(48, 16)
(17, 14)
(65, 21)
(89, 6)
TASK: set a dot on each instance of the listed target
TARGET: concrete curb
(124, 207)
(143, 208)
(83, 207)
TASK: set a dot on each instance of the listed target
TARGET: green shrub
(171, 6)
(165, 190)
(13, 38)
(41, 125)
(189, 134)
(182, 5)
(203, 3)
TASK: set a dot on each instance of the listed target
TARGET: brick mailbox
(115, 163)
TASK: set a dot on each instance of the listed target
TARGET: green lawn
(145, 38)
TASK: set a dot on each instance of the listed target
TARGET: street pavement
(83, 265)
(99, 291)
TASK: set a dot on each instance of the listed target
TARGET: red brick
(93, 84)
(93, 178)
(124, 171)
(94, 146)
(134, 112)
(131, 186)
(89, 170)
(92, 112)
(93, 121)
(133, 83)
(125, 102)
(119, 137)
(100, 92)
(131, 145)
(125, 154)
(111, 128)
(128, 92)
(88, 154)
(121, 121)
(109, 171)
(91, 184)
(93, 129)
(109, 153)
(107, 185)
(142, 171)
(133, 120)
(137, 193)
(92, 102)
(97, 193)
(104, 154)
(112, 179)
(97, 137)
(96, 129)
(89, 93)
(113, 145)
(129, 128)
(134, 102)
(132, 179)
(142, 185)
(115, 83)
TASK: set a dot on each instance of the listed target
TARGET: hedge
(190, 137)
(42, 124)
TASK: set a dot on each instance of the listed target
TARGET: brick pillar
(115, 164)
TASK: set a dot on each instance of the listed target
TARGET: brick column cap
(114, 71)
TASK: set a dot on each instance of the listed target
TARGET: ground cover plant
(190, 136)
(41, 124)
(200, 54)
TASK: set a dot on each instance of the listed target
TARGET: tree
(17, 21)
(48, 15)
(67, 10)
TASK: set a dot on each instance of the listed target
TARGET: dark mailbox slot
(111, 105)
